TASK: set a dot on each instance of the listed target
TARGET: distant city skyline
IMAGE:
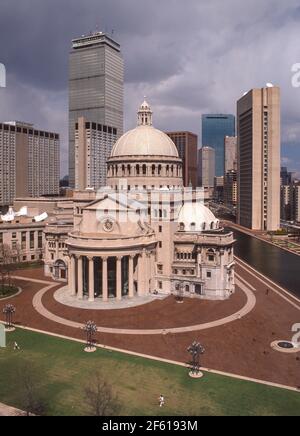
(206, 71)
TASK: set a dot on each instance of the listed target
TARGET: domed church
(145, 233)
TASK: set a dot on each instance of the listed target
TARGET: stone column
(141, 274)
(199, 265)
(72, 275)
(152, 271)
(119, 278)
(80, 280)
(91, 279)
(104, 279)
(130, 277)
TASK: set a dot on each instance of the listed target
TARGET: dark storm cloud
(187, 57)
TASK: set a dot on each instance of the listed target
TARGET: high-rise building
(230, 154)
(285, 176)
(29, 162)
(296, 203)
(187, 146)
(206, 167)
(93, 145)
(259, 159)
(230, 188)
(96, 79)
(214, 129)
(285, 202)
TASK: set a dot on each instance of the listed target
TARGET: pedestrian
(267, 292)
(161, 400)
(16, 346)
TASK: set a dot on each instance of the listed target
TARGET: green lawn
(138, 382)
(7, 291)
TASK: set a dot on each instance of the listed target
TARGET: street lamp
(90, 329)
(195, 350)
(180, 293)
(8, 311)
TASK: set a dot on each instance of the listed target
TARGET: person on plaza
(267, 292)
(161, 400)
(16, 346)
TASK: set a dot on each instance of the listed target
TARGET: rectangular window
(208, 274)
(31, 240)
(40, 239)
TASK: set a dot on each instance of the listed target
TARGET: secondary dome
(195, 217)
(145, 140)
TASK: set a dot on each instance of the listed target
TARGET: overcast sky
(189, 57)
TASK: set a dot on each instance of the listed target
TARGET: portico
(109, 276)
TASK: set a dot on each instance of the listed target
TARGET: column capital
(104, 258)
(90, 258)
(119, 258)
(132, 256)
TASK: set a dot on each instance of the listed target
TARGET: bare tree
(100, 397)
(6, 261)
(29, 381)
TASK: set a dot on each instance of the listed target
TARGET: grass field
(137, 382)
(7, 291)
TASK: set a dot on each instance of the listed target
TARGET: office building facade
(215, 127)
(29, 162)
(230, 154)
(187, 146)
(96, 78)
(93, 145)
(206, 167)
(259, 159)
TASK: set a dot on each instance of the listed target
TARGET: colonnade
(111, 276)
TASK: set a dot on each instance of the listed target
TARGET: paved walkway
(63, 296)
(9, 411)
(251, 301)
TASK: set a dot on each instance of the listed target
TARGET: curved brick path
(249, 306)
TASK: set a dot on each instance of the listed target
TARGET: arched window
(144, 170)
(159, 170)
(153, 170)
(193, 227)
(137, 169)
(128, 170)
(181, 227)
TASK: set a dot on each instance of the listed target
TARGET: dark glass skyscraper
(214, 129)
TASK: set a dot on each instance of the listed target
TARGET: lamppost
(90, 329)
(195, 350)
(180, 293)
(8, 311)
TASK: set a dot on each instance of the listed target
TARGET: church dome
(145, 140)
(195, 217)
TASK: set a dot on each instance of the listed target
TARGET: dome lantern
(145, 114)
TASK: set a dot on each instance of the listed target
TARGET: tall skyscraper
(259, 159)
(230, 154)
(29, 162)
(214, 129)
(285, 176)
(187, 146)
(93, 144)
(206, 167)
(96, 79)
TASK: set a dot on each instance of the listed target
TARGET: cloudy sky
(188, 57)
